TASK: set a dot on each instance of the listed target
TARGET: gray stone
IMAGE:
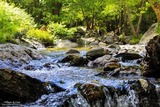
(16, 86)
(95, 53)
(149, 34)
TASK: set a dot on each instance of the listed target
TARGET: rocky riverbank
(120, 76)
(115, 60)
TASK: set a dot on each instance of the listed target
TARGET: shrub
(42, 36)
(158, 28)
(12, 20)
(135, 40)
(60, 30)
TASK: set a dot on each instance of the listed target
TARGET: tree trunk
(130, 22)
(140, 19)
(87, 20)
(93, 22)
(57, 8)
(156, 7)
(124, 25)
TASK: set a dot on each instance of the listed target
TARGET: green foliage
(135, 40)
(108, 14)
(12, 20)
(158, 28)
(111, 10)
(42, 36)
(60, 30)
(122, 37)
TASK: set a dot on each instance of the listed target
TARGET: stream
(67, 77)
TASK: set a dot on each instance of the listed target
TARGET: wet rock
(126, 72)
(65, 44)
(128, 56)
(111, 66)
(91, 92)
(138, 49)
(110, 38)
(101, 61)
(72, 51)
(30, 67)
(152, 59)
(115, 46)
(16, 86)
(112, 49)
(97, 95)
(95, 53)
(130, 93)
(146, 92)
(50, 65)
(33, 43)
(75, 60)
(17, 55)
(59, 99)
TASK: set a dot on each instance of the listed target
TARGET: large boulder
(72, 51)
(110, 38)
(149, 34)
(74, 60)
(65, 44)
(146, 92)
(92, 92)
(101, 61)
(152, 58)
(111, 66)
(32, 43)
(136, 49)
(16, 86)
(129, 93)
(128, 56)
(16, 55)
(95, 53)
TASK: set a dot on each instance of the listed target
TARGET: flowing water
(66, 77)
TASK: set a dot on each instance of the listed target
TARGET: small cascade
(130, 63)
(79, 101)
(129, 99)
(80, 87)
(158, 92)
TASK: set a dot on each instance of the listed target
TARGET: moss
(135, 40)
(43, 36)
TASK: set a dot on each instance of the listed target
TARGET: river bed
(66, 77)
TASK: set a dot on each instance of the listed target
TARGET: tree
(90, 10)
(122, 16)
(135, 29)
(12, 20)
(156, 7)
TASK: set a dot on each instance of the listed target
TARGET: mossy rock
(95, 53)
(91, 92)
(111, 66)
(72, 51)
(75, 60)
